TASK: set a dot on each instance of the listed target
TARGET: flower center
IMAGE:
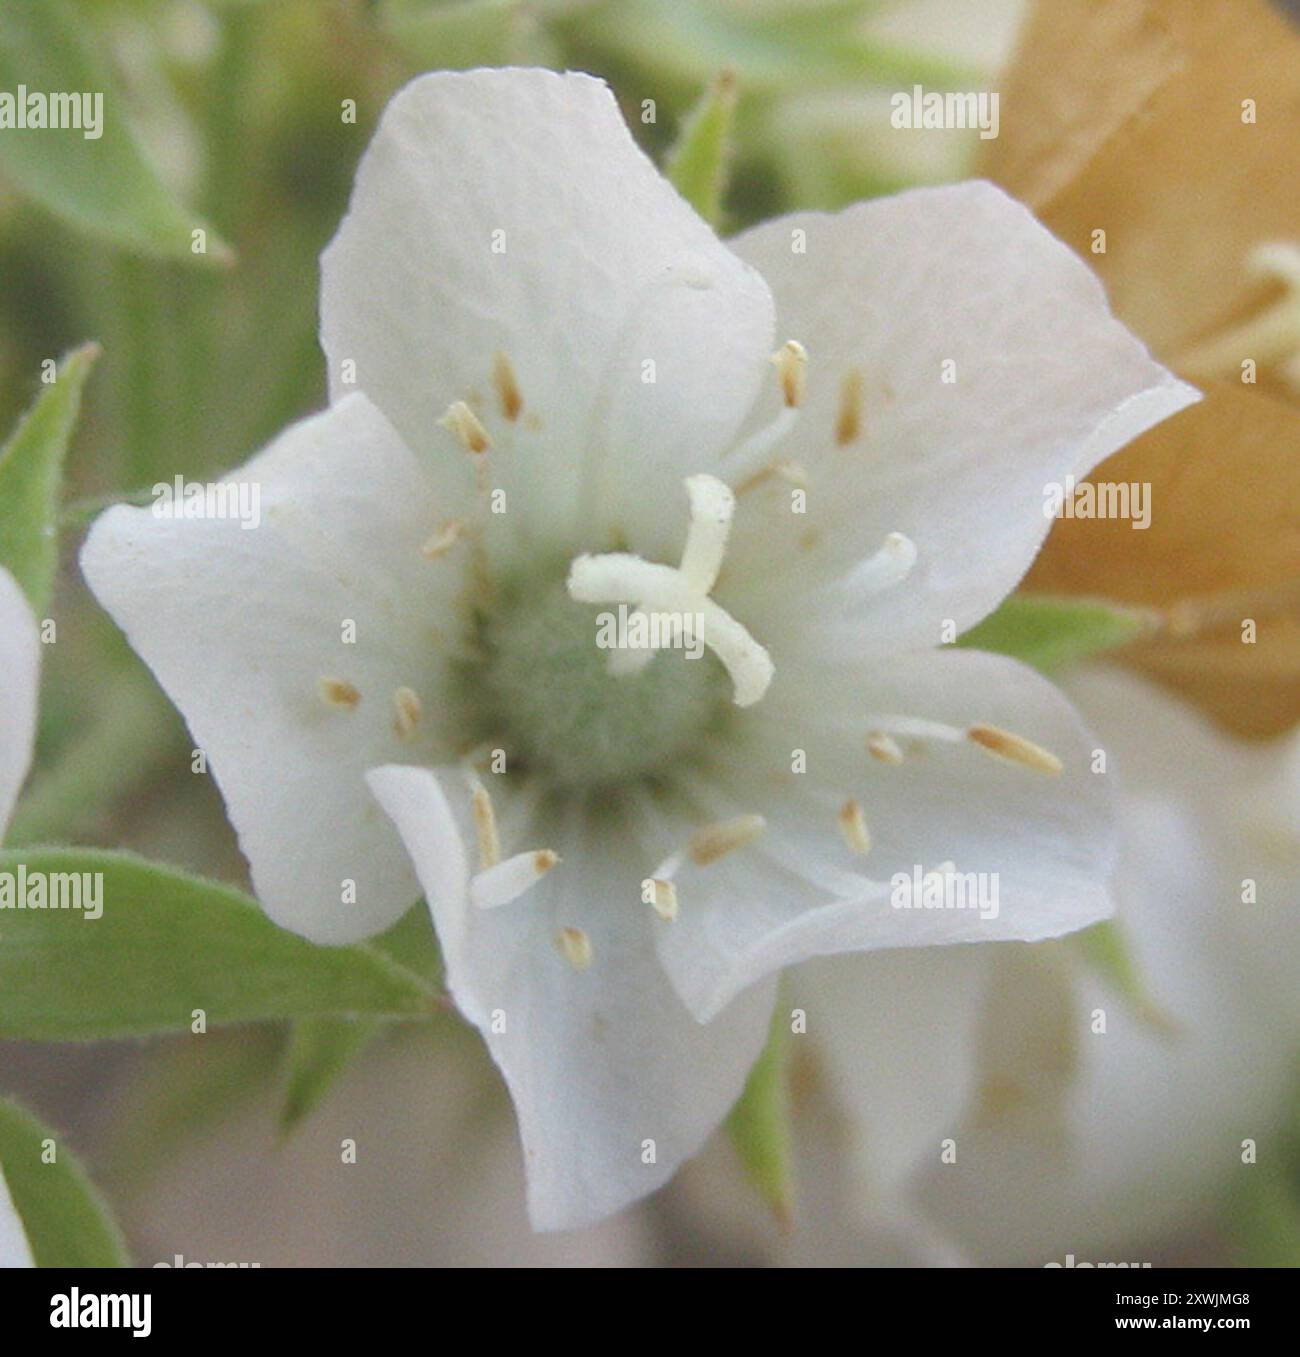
(544, 692)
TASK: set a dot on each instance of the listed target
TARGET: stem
(144, 353)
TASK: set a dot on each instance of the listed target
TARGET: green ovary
(542, 691)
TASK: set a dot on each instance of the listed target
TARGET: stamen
(1002, 744)
(575, 946)
(443, 540)
(746, 459)
(503, 378)
(508, 880)
(465, 424)
(1271, 337)
(890, 565)
(669, 867)
(409, 709)
(1012, 748)
(717, 840)
(853, 826)
(485, 825)
(848, 425)
(917, 728)
(336, 692)
(791, 361)
(663, 898)
(884, 747)
(750, 457)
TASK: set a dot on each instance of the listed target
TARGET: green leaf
(1262, 1222)
(31, 476)
(66, 1221)
(102, 185)
(1106, 950)
(320, 1049)
(1050, 633)
(676, 42)
(165, 944)
(759, 1124)
(697, 165)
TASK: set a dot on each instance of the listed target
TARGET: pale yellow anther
(1003, 744)
(663, 898)
(336, 692)
(466, 425)
(853, 826)
(408, 709)
(717, 840)
(884, 747)
(485, 826)
(848, 424)
(507, 881)
(507, 387)
(791, 361)
(443, 540)
(575, 947)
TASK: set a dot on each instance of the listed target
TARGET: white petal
(240, 626)
(20, 662)
(1046, 385)
(599, 269)
(15, 1251)
(1047, 843)
(600, 1062)
(1241, 799)
(897, 1033)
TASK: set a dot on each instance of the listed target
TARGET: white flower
(20, 654)
(15, 1251)
(1070, 1139)
(20, 664)
(567, 396)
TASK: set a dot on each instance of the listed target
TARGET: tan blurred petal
(1081, 73)
(1223, 545)
(1127, 117)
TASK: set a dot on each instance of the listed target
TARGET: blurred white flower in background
(20, 654)
(1069, 1139)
